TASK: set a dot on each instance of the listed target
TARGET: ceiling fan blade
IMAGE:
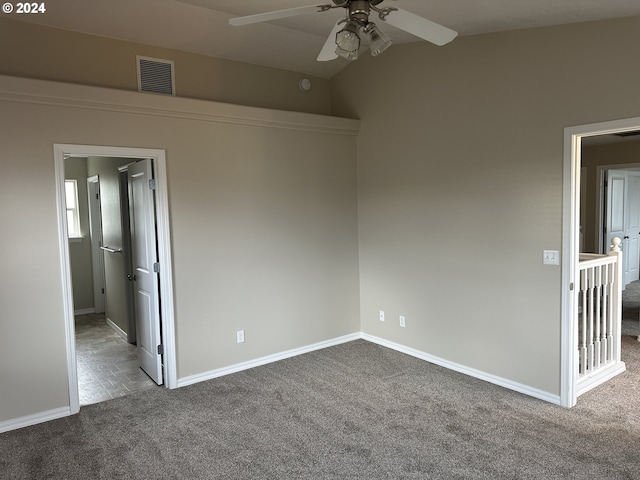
(277, 14)
(420, 27)
(328, 51)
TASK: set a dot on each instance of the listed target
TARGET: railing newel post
(617, 299)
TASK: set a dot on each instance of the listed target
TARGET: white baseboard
(509, 384)
(117, 329)
(238, 367)
(29, 420)
(201, 377)
(503, 382)
(84, 311)
(601, 376)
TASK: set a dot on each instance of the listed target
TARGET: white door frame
(570, 244)
(60, 151)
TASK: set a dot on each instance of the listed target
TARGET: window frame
(74, 230)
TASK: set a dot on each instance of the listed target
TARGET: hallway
(107, 365)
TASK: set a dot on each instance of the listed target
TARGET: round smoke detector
(305, 84)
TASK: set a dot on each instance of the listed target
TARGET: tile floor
(107, 365)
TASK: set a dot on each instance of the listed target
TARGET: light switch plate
(551, 257)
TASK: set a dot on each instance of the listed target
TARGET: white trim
(84, 311)
(45, 92)
(494, 379)
(570, 244)
(163, 227)
(29, 420)
(210, 375)
(164, 251)
(598, 378)
(67, 290)
(116, 328)
(238, 367)
(518, 387)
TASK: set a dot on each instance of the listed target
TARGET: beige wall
(601, 155)
(460, 163)
(29, 50)
(459, 190)
(263, 228)
(80, 251)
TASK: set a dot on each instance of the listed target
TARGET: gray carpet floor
(631, 309)
(353, 411)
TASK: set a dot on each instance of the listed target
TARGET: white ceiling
(201, 26)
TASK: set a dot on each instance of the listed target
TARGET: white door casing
(145, 261)
(60, 151)
(97, 255)
(570, 244)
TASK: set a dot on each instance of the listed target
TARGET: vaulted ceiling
(201, 26)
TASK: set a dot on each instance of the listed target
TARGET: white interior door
(145, 258)
(97, 255)
(632, 232)
(623, 219)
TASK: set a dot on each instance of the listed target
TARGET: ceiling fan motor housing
(359, 10)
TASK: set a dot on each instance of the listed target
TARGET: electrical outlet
(382, 315)
(402, 322)
(240, 336)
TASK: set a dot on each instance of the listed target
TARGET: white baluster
(606, 312)
(583, 333)
(591, 289)
(598, 294)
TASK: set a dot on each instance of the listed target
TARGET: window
(73, 216)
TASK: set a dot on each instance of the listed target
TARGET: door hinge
(102, 290)
(97, 196)
(160, 349)
(156, 267)
(152, 184)
(571, 286)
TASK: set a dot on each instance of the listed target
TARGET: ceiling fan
(345, 37)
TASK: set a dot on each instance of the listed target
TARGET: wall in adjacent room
(615, 154)
(80, 249)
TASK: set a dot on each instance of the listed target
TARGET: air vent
(155, 76)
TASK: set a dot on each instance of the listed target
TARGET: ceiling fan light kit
(378, 40)
(345, 41)
(348, 41)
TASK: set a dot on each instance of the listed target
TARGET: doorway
(108, 353)
(162, 267)
(573, 140)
